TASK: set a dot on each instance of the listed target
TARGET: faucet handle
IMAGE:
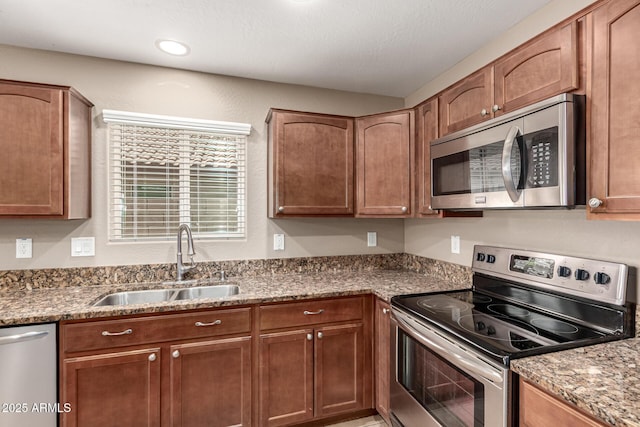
(223, 276)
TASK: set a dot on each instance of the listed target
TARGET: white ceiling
(386, 47)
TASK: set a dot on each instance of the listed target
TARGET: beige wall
(156, 90)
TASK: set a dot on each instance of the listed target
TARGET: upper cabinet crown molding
(45, 137)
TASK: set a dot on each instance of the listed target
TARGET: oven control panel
(599, 280)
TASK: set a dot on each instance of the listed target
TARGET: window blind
(162, 176)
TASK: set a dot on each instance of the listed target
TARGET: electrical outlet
(278, 242)
(455, 244)
(24, 248)
(372, 238)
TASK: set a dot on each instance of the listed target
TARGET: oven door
(436, 382)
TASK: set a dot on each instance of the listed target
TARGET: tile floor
(373, 421)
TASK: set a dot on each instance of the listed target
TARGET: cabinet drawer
(141, 330)
(307, 313)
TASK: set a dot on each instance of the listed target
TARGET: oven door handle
(448, 349)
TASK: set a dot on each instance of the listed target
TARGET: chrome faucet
(180, 266)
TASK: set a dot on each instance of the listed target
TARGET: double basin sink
(166, 295)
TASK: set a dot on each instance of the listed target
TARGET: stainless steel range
(452, 349)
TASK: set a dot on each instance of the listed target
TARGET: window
(165, 171)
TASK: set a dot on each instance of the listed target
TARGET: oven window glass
(450, 395)
(478, 170)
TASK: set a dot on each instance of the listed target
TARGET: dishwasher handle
(27, 336)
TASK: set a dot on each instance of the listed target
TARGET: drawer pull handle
(117, 334)
(152, 357)
(217, 322)
(311, 313)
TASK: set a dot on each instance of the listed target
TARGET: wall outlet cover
(83, 246)
(455, 244)
(372, 238)
(278, 242)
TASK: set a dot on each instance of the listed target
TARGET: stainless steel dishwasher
(28, 376)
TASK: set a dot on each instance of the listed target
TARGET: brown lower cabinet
(540, 409)
(190, 369)
(383, 357)
(315, 360)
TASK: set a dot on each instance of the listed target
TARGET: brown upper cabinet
(384, 164)
(45, 138)
(545, 66)
(426, 131)
(310, 161)
(613, 149)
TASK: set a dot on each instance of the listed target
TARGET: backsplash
(88, 276)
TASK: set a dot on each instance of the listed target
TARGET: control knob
(564, 271)
(491, 259)
(491, 330)
(601, 278)
(481, 326)
(582, 274)
(480, 256)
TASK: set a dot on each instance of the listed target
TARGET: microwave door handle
(507, 176)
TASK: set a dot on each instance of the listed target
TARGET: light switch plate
(278, 242)
(24, 248)
(83, 246)
(455, 244)
(372, 238)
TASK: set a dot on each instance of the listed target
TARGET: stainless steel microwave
(530, 158)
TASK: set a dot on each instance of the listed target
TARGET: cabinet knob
(152, 357)
(404, 209)
(281, 209)
(309, 337)
(320, 335)
(175, 354)
(594, 202)
(484, 112)
(495, 108)
(385, 311)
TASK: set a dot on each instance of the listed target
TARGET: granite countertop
(74, 302)
(603, 380)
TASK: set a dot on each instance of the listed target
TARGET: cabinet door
(537, 70)
(613, 148)
(385, 147)
(540, 409)
(211, 383)
(114, 389)
(32, 145)
(467, 103)
(286, 377)
(339, 371)
(426, 131)
(383, 349)
(311, 164)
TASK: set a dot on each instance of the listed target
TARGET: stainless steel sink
(136, 297)
(215, 291)
(165, 295)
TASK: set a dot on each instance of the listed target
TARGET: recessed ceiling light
(173, 47)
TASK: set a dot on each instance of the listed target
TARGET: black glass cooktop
(508, 322)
